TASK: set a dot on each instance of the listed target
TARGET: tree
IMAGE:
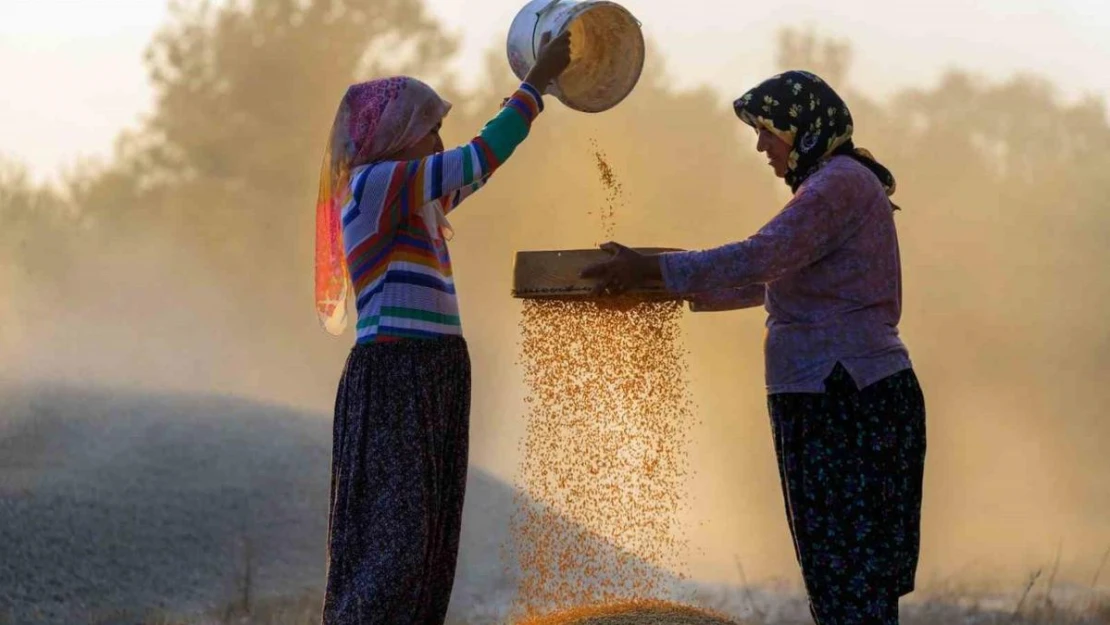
(245, 97)
(215, 192)
(35, 218)
(797, 50)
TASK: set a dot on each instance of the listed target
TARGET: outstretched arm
(812, 225)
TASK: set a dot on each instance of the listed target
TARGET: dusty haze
(183, 262)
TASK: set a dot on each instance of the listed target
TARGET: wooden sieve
(553, 274)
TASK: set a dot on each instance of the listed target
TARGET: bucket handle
(536, 26)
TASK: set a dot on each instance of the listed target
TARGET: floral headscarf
(375, 120)
(803, 110)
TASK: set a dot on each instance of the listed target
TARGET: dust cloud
(184, 263)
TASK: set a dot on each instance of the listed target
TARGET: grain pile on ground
(634, 613)
(114, 500)
(116, 504)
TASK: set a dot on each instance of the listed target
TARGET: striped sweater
(401, 276)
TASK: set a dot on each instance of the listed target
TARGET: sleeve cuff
(676, 270)
(699, 306)
(532, 91)
(527, 101)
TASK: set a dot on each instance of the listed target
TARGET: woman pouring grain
(399, 459)
(847, 413)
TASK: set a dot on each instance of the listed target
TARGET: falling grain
(614, 196)
(596, 528)
(604, 453)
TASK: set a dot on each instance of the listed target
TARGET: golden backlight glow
(183, 259)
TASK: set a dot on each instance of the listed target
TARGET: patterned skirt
(851, 464)
(399, 463)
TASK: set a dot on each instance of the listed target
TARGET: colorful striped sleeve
(453, 175)
(457, 197)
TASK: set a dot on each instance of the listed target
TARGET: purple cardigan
(826, 268)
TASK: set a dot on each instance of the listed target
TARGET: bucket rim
(536, 10)
(581, 9)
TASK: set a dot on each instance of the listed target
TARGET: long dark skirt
(399, 462)
(851, 464)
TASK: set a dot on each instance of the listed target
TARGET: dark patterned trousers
(851, 463)
(399, 464)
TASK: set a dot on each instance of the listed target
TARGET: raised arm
(452, 201)
(449, 177)
(455, 173)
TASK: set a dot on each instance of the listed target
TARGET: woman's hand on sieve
(626, 269)
(553, 58)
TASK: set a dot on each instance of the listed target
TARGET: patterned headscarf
(803, 110)
(375, 120)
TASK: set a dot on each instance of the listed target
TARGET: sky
(74, 77)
